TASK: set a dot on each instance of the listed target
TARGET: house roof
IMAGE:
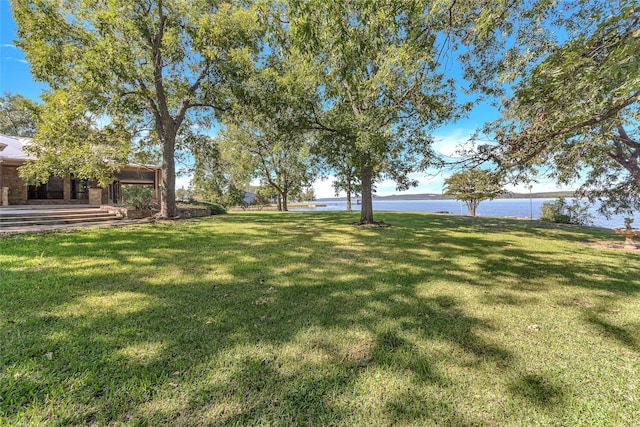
(11, 148)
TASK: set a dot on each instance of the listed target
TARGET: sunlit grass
(305, 319)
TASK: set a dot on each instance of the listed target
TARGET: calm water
(518, 208)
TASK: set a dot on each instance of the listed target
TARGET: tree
(69, 141)
(141, 63)
(184, 194)
(265, 195)
(346, 180)
(281, 161)
(387, 75)
(215, 179)
(342, 163)
(18, 115)
(307, 195)
(575, 114)
(473, 186)
(265, 135)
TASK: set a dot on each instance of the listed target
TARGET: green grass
(304, 319)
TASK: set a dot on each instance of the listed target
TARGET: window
(52, 189)
(79, 189)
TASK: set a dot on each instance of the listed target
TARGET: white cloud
(448, 143)
(183, 181)
(324, 188)
(10, 58)
(9, 45)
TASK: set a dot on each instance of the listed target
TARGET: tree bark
(472, 205)
(366, 214)
(285, 208)
(168, 207)
(627, 153)
(349, 192)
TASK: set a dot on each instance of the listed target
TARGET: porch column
(4, 191)
(66, 188)
(95, 196)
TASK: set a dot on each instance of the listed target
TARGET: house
(64, 190)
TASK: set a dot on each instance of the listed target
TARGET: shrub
(214, 208)
(561, 212)
(137, 196)
(260, 200)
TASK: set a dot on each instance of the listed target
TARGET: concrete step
(51, 216)
(55, 221)
(6, 215)
(54, 217)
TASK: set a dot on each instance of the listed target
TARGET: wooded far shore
(435, 196)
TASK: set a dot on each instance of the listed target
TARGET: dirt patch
(373, 225)
(614, 246)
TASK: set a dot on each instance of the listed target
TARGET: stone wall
(130, 213)
(193, 212)
(17, 190)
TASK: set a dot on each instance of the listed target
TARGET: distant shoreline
(433, 196)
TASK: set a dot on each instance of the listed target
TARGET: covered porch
(67, 190)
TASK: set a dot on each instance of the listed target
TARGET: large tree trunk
(366, 214)
(472, 206)
(285, 208)
(168, 207)
(279, 198)
(348, 191)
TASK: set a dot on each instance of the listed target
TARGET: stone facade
(17, 191)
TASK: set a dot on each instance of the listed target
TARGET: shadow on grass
(539, 390)
(628, 335)
(259, 318)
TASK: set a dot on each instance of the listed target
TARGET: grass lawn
(304, 319)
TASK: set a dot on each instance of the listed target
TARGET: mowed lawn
(305, 319)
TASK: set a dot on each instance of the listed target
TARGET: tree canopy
(359, 83)
(139, 67)
(69, 141)
(18, 115)
(576, 114)
(388, 70)
(265, 135)
(214, 178)
(473, 186)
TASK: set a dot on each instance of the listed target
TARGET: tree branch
(539, 142)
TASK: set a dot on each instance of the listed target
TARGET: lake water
(517, 208)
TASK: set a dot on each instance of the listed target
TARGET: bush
(561, 212)
(214, 208)
(260, 200)
(137, 196)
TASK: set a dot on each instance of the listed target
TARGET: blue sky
(15, 77)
